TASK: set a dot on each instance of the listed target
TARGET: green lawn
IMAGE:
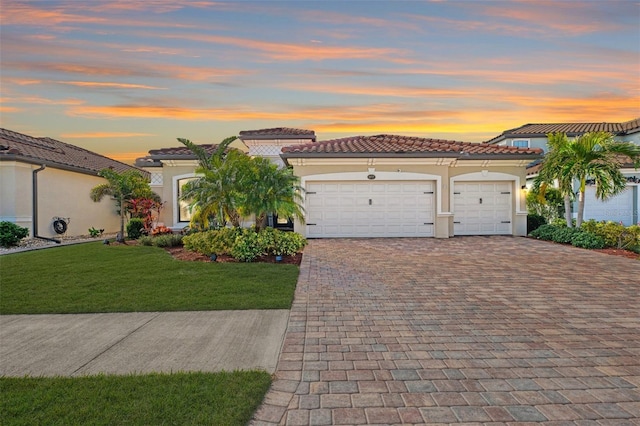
(154, 399)
(94, 277)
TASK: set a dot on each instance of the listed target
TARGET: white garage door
(618, 208)
(482, 208)
(369, 209)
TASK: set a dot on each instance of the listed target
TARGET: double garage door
(370, 209)
(403, 208)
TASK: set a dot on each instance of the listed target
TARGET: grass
(154, 399)
(92, 277)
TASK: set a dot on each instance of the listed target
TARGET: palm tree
(598, 156)
(594, 155)
(231, 185)
(123, 187)
(272, 190)
(216, 191)
(554, 171)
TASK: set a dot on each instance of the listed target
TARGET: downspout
(34, 215)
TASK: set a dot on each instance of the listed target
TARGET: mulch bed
(190, 256)
(619, 252)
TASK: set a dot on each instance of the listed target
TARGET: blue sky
(122, 77)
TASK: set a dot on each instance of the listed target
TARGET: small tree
(271, 190)
(123, 187)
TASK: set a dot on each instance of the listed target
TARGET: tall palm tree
(123, 187)
(594, 155)
(598, 156)
(554, 171)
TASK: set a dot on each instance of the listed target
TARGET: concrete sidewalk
(140, 342)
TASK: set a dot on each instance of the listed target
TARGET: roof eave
(275, 136)
(457, 155)
(60, 166)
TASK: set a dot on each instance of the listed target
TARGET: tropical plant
(553, 170)
(595, 156)
(147, 209)
(230, 185)
(549, 205)
(271, 190)
(216, 191)
(124, 187)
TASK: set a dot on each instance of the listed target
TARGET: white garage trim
(386, 176)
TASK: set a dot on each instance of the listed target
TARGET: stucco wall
(60, 193)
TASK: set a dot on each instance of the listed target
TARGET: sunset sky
(124, 76)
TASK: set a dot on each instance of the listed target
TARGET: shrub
(167, 240)
(544, 232)
(145, 240)
(289, 243)
(587, 240)
(11, 234)
(564, 235)
(198, 242)
(247, 246)
(135, 228)
(534, 221)
(614, 234)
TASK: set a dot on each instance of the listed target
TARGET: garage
(482, 208)
(618, 208)
(369, 209)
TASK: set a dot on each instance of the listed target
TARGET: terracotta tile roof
(571, 129)
(180, 151)
(394, 146)
(172, 153)
(278, 133)
(20, 147)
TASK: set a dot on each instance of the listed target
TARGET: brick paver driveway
(470, 329)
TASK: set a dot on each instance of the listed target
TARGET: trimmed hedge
(245, 244)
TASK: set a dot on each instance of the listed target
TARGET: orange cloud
(110, 85)
(104, 135)
(125, 157)
(291, 51)
(6, 109)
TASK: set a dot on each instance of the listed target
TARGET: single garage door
(482, 208)
(618, 208)
(369, 209)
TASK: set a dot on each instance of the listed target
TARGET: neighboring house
(43, 180)
(399, 186)
(621, 208)
(170, 168)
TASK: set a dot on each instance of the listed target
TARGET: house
(400, 186)
(171, 168)
(46, 182)
(623, 207)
